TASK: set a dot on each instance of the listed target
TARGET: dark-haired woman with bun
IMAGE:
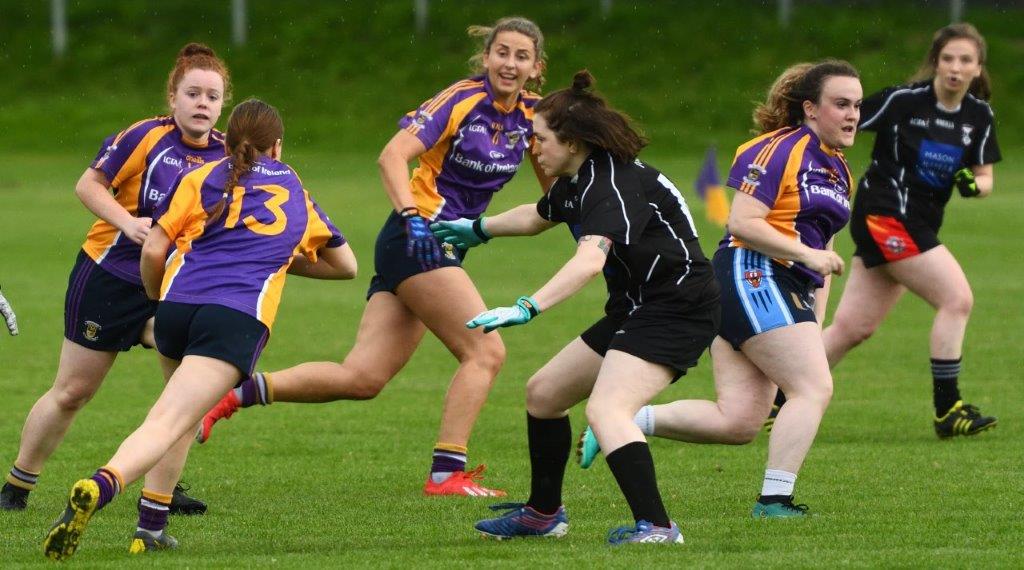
(774, 265)
(239, 225)
(662, 311)
(106, 310)
(935, 137)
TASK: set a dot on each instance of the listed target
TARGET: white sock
(778, 482)
(644, 419)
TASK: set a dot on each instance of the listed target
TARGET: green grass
(339, 484)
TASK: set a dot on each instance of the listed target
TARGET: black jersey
(655, 255)
(918, 148)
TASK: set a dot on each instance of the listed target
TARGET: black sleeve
(614, 206)
(984, 149)
(546, 206)
(881, 108)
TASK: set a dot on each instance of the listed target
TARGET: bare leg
(163, 477)
(936, 277)
(566, 380)
(480, 354)
(793, 357)
(196, 385)
(388, 335)
(624, 385)
(79, 375)
(743, 401)
(868, 297)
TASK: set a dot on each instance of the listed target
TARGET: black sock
(945, 391)
(550, 442)
(633, 468)
(780, 398)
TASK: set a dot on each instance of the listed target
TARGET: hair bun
(194, 48)
(582, 81)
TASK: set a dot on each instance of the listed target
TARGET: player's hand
(824, 261)
(9, 317)
(963, 181)
(420, 243)
(518, 314)
(137, 229)
(462, 233)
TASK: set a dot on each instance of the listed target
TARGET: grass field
(339, 484)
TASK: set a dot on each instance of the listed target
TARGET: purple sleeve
(759, 176)
(112, 160)
(429, 122)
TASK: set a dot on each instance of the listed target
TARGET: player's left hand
(420, 242)
(518, 314)
(963, 181)
(9, 317)
(463, 233)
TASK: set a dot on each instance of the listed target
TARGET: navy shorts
(210, 330)
(884, 239)
(103, 311)
(759, 295)
(662, 334)
(391, 263)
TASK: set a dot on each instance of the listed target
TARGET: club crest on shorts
(449, 250)
(92, 331)
(895, 244)
(753, 276)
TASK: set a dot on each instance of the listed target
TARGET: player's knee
(960, 305)
(72, 396)
(488, 354)
(369, 386)
(854, 331)
(601, 410)
(540, 399)
(742, 431)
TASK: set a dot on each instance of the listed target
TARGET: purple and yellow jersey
(474, 146)
(141, 163)
(805, 184)
(241, 259)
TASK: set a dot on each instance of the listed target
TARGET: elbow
(349, 271)
(387, 157)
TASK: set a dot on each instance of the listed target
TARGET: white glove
(9, 317)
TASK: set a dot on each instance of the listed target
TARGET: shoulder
(141, 129)
(529, 99)
(769, 146)
(217, 138)
(979, 106)
(457, 92)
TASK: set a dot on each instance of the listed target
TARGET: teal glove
(963, 181)
(518, 314)
(462, 233)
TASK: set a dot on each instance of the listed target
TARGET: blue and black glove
(420, 243)
(463, 233)
(963, 181)
(519, 314)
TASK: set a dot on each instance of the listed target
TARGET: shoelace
(181, 487)
(801, 507)
(508, 507)
(476, 475)
(626, 531)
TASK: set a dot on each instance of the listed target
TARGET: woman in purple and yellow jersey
(774, 265)
(106, 310)
(935, 137)
(470, 139)
(239, 224)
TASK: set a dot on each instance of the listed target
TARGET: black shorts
(391, 263)
(210, 330)
(759, 295)
(662, 334)
(884, 239)
(103, 311)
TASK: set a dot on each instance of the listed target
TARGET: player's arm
(747, 221)
(519, 221)
(332, 263)
(393, 163)
(821, 295)
(588, 262)
(92, 190)
(154, 256)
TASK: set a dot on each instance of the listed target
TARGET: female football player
(935, 136)
(106, 310)
(238, 225)
(662, 311)
(792, 195)
(469, 139)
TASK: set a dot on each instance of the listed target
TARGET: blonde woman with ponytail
(106, 310)
(469, 140)
(239, 225)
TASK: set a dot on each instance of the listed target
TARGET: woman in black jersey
(661, 315)
(935, 137)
